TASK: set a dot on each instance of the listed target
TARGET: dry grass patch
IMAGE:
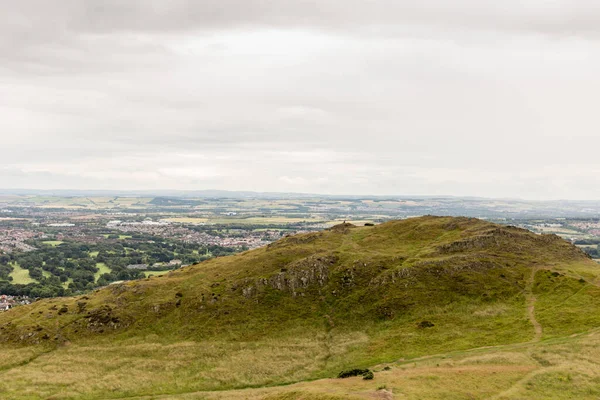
(491, 311)
(98, 371)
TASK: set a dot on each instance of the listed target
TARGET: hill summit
(305, 307)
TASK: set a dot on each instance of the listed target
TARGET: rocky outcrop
(294, 240)
(294, 277)
(342, 228)
(407, 276)
(102, 318)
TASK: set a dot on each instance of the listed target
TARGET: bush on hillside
(355, 372)
(352, 372)
(426, 324)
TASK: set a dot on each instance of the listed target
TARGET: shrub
(426, 324)
(368, 375)
(352, 372)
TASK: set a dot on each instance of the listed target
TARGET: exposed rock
(297, 239)
(298, 275)
(342, 228)
(101, 318)
(81, 306)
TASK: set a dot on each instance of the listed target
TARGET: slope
(301, 309)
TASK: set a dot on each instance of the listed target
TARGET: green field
(121, 237)
(102, 269)
(53, 243)
(21, 275)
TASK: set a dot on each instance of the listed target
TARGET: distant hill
(303, 308)
(173, 201)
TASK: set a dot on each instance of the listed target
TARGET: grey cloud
(381, 97)
(107, 16)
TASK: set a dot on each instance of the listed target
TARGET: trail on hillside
(514, 388)
(25, 362)
(531, 299)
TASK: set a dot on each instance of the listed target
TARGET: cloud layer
(354, 97)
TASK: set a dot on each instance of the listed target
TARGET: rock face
(298, 275)
(508, 239)
(294, 240)
(102, 318)
(342, 228)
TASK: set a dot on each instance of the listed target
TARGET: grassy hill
(454, 306)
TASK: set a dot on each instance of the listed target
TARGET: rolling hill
(438, 307)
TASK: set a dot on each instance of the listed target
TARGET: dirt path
(22, 363)
(531, 299)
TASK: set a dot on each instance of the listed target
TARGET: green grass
(121, 237)
(155, 273)
(21, 275)
(102, 269)
(53, 243)
(308, 306)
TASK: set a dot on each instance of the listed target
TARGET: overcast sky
(463, 97)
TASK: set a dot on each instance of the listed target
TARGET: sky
(383, 97)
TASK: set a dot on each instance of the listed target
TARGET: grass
(121, 237)
(279, 321)
(561, 369)
(155, 273)
(66, 284)
(102, 269)
(53, 243)
(568, 369)
(21, 275)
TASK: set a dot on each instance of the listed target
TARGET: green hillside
(308, 306)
